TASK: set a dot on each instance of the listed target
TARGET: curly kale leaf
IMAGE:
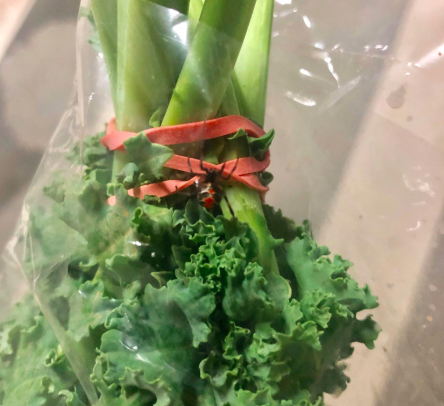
(33, 368)
(129, 175)
(89, 308)
(150, 158)
(257, 146)
(151, 345)
(90, 153)
(280, 226)
(314, 270)
(178, 306)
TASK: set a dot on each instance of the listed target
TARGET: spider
(208, 188)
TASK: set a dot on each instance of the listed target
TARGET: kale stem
(251, 71)
(144, 75)
(202, 86)
(247, 207)
(209, 65)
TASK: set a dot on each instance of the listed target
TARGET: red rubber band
(184, 133)
(193, 132)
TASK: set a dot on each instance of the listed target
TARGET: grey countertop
(36, 80)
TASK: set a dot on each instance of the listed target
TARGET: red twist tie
(188, 133)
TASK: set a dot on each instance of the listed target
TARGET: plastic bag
(146, 304)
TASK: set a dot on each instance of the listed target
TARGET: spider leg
(229, 205)
(221, 170)
(189, 166)
(183, 192)
(203, 168)
(232, 171)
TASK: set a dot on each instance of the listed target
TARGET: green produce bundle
(154, 285)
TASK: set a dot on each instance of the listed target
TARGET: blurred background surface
(375, 183)
(37, 67)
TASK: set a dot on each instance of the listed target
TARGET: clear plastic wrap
(355, 153)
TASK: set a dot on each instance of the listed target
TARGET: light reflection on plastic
(301, 100)
(305, 72)
(286, 13)
(283, 2)
(342, 91)
(418, 185)
(319, 45)
(182, 31)
(307, 21)
(331, 68)
(139, 243)
(417, 227)
(128, 344)
(143, 359)
(431, 57)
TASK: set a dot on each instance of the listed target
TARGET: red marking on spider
(209, 202)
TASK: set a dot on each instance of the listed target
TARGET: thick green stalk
(144, 76)
(229, 105)
(194, 12)
(247, 207)
(251, 70)
(250, 81)
(172, 44)
(210, 62)
(105, 16)
(146, 67)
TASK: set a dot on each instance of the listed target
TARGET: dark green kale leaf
(280, 226)
(257, 146)
(151, 344)
(150, 158)
(129, 175)
(89, 308)
(91, 153)
(314, 270)
(33, 367)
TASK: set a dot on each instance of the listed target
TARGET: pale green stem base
(247, 207)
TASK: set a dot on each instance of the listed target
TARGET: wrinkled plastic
(358, 152)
